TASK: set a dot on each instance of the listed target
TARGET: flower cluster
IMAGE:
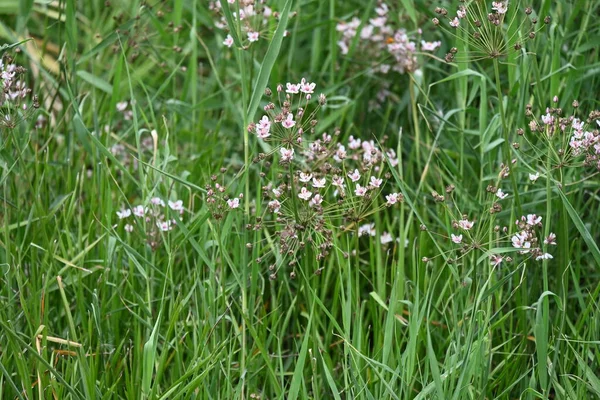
(16, 101)
(254, 18)
(569, 139)
(487, 29)
(313, 183)
(152, 219)
(526, 239)
(379, 39)
(218, 201)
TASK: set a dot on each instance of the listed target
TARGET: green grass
(90, 311)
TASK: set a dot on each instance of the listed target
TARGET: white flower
(124, 213)
(545, 256)
(367, 229)
(534, 177)
(277, 193)
(456, 239)
(386, 238)
(306, 87)
(533, 219)
(128, 228)
(501, 195)
(289, 121)
(550, 239)
(315, 201)
(157, 201)
(360, 190)
(318, 183)
(520, 241)
(376, 182)
(354, 176)
(233, 203)
(291, 88)
(304, 194)
(252, 36)
(228, 41)
(164, 225)
(286, 154)
(176, 205)
(496, 259)
(392, 198)
(139, 211)
(305, 177)
(465, 224)
(274, 206)
(455, 23)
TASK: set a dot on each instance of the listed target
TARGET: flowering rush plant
(254, 18)
(311, 182)
(152, 220)
(16, 101)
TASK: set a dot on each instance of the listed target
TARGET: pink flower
(456, 239)
(430, 46)
(288, 122)
(233, 203)
(124, 213)
(354, 143)
(291, 88)
(315, 201)
(455, 23)
(360, 191)
(501, 195)
(375, 182)
(176, 205)
(520, 241)
(548, 119)
(228, 41)
(164, 225)
(286, 154)
(461, 14)
(533, 219)
(465, 224)
(252, 36)
(157, 201)
(318, 183)
(392, 198)
(496, 259)
(277, 193)
(386, 238)
(139, 211)
(550, 239)
(306, 87)
(305, 177)
(499, 7)
(274, 206)
(338, 181)
(354, 176)
(304, 194)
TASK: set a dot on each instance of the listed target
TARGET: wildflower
(286, 154)
(305, 177)
(520, 241)
(316, 200)
(386, 238)
(318, 183)
(276, 192)
(122, 106)
(393, 198)
(534, 177)
(354, 176)
(164, 225)
(124, 213)
(375, 182)
(496, 259)
(274, 206)
(304, 194)
(533, 219)
(367, 229)
(455, 23)
(233, 203)
(360, 191)
(501, 195)
(176, 205)
(499, 6)
(128, 228)
(545, 256)
(157, 201)
(550, 239)
(430, 46)
(228, 41)
(139, 211)
(252, 36)
(456, 239)
(465, 224)
(338, 181)
(291, 88)
(288, 122)
(306, 87)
